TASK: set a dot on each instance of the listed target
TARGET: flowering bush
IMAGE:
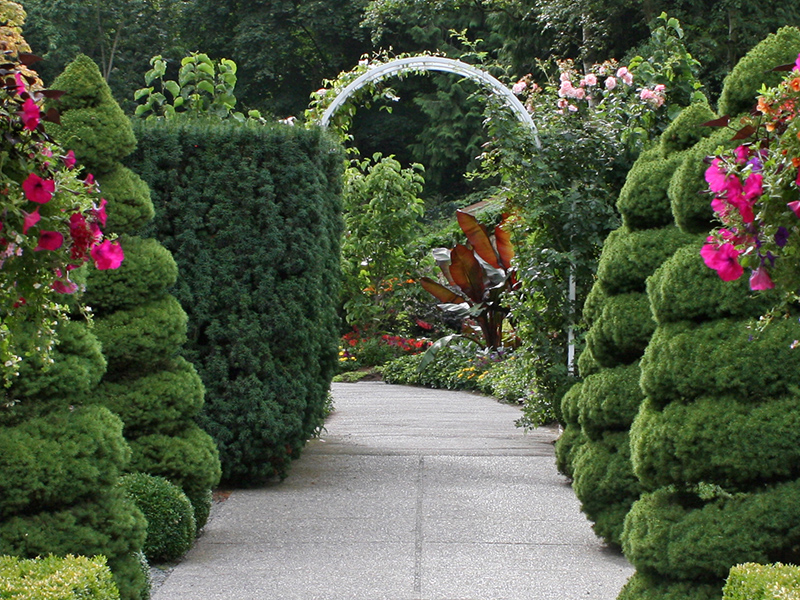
(756, 194)
(49, 225)
(357, 350)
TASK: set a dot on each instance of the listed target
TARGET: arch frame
(433, 63)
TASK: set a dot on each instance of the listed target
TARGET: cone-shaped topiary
(141, 327)
(714, 445)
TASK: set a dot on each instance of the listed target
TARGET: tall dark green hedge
(140, 325)
(714, 445)
(252, 216)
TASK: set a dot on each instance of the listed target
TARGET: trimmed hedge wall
(252, 217)
(715, 444)
(141, 327)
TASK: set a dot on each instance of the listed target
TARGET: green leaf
(434, 349)
(173, 88)
(141, 93)
(206, 86)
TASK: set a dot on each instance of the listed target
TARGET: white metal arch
(433, 63)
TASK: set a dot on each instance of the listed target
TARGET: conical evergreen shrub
(714, 445)
(141, 326)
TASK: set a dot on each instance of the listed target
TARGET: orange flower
(796, 162)
(795, 84)
(763, 107)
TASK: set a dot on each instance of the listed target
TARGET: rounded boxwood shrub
(628, 257)
(189, 459)
(683, 535)
(108, 525)
(605, 484)
(145, 336)
(685, 289)
(610, 400)
(171, 526)
(163, 402)
(59, 459)
(145, 274)
(687, 129)
(691, 204)
(646, 586)
(620, 334)
(643, 201)
(741, 86)
(735, 444)
(725, 358)
(567, 445)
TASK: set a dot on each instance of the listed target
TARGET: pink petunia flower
(30, 114)
(724, 259)
(69, 160)
(64, 286)
(20, 83)
(37, 189)
(760, 280)
(99, 212)
(50, 240)
(30, 220)
(107, 255)
(795, 206)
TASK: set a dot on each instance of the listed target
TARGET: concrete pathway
(411, 494)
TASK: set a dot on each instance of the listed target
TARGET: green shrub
(605, 484)
(147, 336)
(628, 257)
(736, 444)
(60, 459)
(164, 402)
(740, 87)
(691, 205)
(567, 446)
(129, 204)
(188, 459)
(570, 403)
(593, 305)
(171, 526)
(687, 130)
(251, 215)
(644, 586)
(610, 400)
(643, 201)
(145, 274)
(109, 524)
(686, 360)
(587, 365)
(55, 578)
(685, 289)
(762, 582)
(621, 332)
(403, 370)
(700, 535)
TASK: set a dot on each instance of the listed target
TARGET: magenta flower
(69, 160)
(20, 83)
(797, 63)
(64, 287)
(37, 189)
(107, 255)
(100, 212)
(760, 280)
(724, 259)
(30, 220)
(716, 177)
(50, 240)
(741, 154)
(795, 206)
(30, 114)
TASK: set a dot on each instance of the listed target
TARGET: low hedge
(738, 445)
(56, 578)
(752, 581)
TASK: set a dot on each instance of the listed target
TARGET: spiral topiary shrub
(142, 327)
(715, 442)
(170, 516)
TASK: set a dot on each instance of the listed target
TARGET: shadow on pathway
(410, 494)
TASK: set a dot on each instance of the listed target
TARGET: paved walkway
(411, 494)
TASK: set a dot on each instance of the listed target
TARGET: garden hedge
(56, 578)
(643, 201)
(141, 326)
(752, 581)
(715, 442)
(252, 216)
(610, 400)
(621, 332)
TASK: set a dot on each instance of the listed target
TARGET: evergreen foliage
(251, 215)
(762, 582)
(170, 517)
(141, 326)
(56, 578)
(642, 201)
(714, 443)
